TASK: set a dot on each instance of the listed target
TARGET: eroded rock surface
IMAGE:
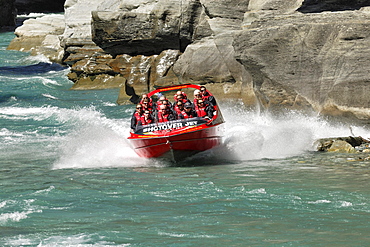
(310, 55)
(317, 59)
(41, 36)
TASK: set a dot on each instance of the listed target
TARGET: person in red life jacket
(197, 96)
(146, 118)
(175, 97)
(179, 107)
(167, 104)
(146, 105)
(145, 97)
(181, 99)
(160, 101)
(204, 110)
(207, 96)
(136, 116)
(188, 112)
(165, 114)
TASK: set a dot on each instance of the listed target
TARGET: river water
(68, 176)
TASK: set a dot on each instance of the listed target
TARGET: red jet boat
(177, 139)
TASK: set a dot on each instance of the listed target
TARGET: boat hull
(176, 147)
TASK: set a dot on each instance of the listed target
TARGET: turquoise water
(68, 177)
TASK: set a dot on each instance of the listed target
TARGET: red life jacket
(159, 103)
(184, 115)
(202, 112)
(137, 116)
(145, 121)
(163, 117)
(177, 110)
(148, 109)
(195, 104)
(206, 97)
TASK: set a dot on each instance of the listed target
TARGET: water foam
(80, 240)
(16, 216)
(250, 135)
(97, 141)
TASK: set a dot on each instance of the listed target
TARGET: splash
(96, 142)
(250, 135)
(94, 146)
(101, 142)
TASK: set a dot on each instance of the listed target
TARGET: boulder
(41, 36)
(341, 147)
(343, 144)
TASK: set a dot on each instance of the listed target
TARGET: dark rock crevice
(317, 6)
(8, 13)
(39, 6)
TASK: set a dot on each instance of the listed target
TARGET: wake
(99, 142)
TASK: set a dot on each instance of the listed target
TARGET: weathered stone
(276, 6)
(341, 147)
(164, 27)
(263, 51)
(41, 36)
(101, 81)
(310, 56)
(341, 144)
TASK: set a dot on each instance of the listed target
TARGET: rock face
(7, 13)
(41, 36)
(297, 54)
(311, 57)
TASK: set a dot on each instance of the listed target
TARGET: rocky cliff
(277, 53)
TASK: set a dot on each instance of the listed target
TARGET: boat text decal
(177, 124)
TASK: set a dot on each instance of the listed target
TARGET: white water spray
(250, 135)
(100, 142)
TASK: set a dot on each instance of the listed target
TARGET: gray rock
(310, 56)
(260, 51)
(40, 36)
(342, 144)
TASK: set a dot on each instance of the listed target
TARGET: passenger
(179, 107)
(182, 99)
(160, 101)
(197, 96)
(188, 112)
(136, 116)
(147, 106)
(207, 96)
(165, 114)
(179, 93)
(167, 104)
(145, 97)
(146, 118)
(205, 109)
